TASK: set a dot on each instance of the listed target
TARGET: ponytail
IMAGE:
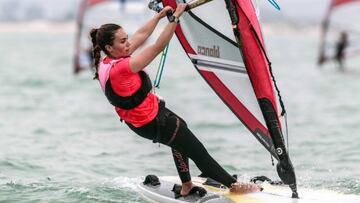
(101, 37)
(95, 52)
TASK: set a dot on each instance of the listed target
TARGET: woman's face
(121, 45)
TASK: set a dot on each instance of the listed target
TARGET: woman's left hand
(165, 10)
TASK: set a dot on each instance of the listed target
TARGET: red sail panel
(256, 63)
(340, 2)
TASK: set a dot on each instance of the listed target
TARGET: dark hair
(101, 37)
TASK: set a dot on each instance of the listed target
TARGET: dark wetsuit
(340, 51)
(340, 47)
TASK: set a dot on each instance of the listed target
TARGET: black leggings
(169, 129)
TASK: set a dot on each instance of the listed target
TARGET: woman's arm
(143, 33)
(140, 61)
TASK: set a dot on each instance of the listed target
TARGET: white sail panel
(215, 43)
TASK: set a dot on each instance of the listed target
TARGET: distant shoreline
(53, 27)
(38, 26)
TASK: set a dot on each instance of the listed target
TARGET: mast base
(287, 176)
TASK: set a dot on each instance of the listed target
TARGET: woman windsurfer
(128, 87)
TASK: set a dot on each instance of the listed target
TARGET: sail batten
(225, 65)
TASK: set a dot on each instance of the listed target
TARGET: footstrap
(177, 189)
(195, 190)
(261, 179)
(152, 180)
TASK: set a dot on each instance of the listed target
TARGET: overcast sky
(295, 9)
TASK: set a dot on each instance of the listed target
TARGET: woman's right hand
(163, 12)
(180, 10)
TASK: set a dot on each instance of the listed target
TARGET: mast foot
(287, 176)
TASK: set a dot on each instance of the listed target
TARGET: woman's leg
(182, 165)
(185, 141)
(179, 137)
(195, 150)
(150, 131)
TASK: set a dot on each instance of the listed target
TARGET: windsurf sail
(224, 42)
(94, 13)
(341, 17)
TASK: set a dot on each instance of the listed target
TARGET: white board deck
(279, 194)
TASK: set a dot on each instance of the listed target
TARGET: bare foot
(186, 187)
(243, 188)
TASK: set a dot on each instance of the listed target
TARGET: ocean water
(60, 140)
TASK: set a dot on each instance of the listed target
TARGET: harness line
(161, 67)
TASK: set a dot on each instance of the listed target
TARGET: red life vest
(129, 92)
